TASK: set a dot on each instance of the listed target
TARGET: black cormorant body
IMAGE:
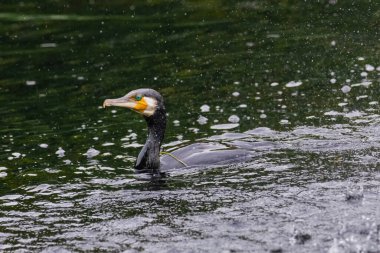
(150, 104)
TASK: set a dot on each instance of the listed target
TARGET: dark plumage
(150, 104)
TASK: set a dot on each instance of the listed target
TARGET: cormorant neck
(149, 157)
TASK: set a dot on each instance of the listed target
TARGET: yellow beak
(127, 102)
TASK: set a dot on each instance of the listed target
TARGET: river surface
(295, 83)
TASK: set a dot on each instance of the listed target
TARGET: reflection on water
(295, 84)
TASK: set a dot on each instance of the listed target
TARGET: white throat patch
(151, 106)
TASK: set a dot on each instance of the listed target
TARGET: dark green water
(303, 79)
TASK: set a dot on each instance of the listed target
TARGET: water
(295, 83)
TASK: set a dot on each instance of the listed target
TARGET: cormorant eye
(138, 97)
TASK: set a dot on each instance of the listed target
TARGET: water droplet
(292, 84)
(202, 120)
(91, 152)
(249, 44)
(45, 45)
(369, 67)
(205, 108)
(30, 83)
(233, 119)
(346, 89)
(16, 154)
(176, 122)
(60, 152)
(107, 144)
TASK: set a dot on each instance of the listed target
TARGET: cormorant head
(143, 101)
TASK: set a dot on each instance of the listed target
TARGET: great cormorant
(150, 104)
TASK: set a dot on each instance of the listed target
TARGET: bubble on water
(364, 74)
(348, 80)
(233, 119)
(333, 43)
(202, 120)
(332, 80)
(378, 68)
(95, 138)
(3, 168)
(31, 82)
(114, 111)
(60, 152)
(342, 104)
(235, 94)
(224, 126)
(3, 174)
(243, 106)
(284, 122)
(176, 122)
(361, 59)
(369, 67)
(80, 78)
(91, 152)
(263, 116)
(371, 103)
(236, 82)
(292, 84)
(346, 89)
(107, 144)
(332, 73)
(205, 108)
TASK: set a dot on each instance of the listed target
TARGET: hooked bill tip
(105, 104)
